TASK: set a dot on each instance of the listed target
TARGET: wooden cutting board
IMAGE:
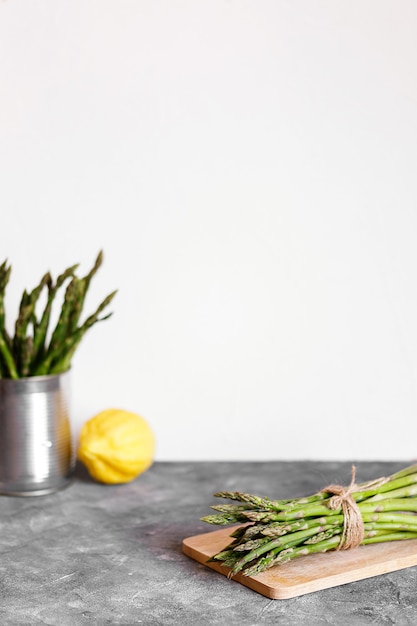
(308, 573)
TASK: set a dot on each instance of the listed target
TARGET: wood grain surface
(308, 573)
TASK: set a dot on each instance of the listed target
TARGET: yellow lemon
(116, 446)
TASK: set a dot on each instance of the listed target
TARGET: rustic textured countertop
(96, 554)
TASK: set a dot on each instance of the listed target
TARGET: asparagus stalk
(60, 359)
(23, 341)
(4, 279)
(29, 353)
(7, 364)
(40, 334)
(72, 294)
(275, 531)
(83, 288)
(8, 367)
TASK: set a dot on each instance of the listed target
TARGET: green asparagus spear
(40, 334)
(61, 360)
(275, 531)
(8, 365)
(23, 341)
(29, 352)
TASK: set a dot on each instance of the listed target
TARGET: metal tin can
(36, 451)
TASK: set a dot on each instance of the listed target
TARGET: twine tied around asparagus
(353, 527)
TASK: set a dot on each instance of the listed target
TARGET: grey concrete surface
(96, 554)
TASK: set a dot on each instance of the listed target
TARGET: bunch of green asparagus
(272, 532)
(35, 349)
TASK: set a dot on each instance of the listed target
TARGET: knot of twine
(353, 526)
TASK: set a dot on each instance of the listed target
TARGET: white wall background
(249, 168)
